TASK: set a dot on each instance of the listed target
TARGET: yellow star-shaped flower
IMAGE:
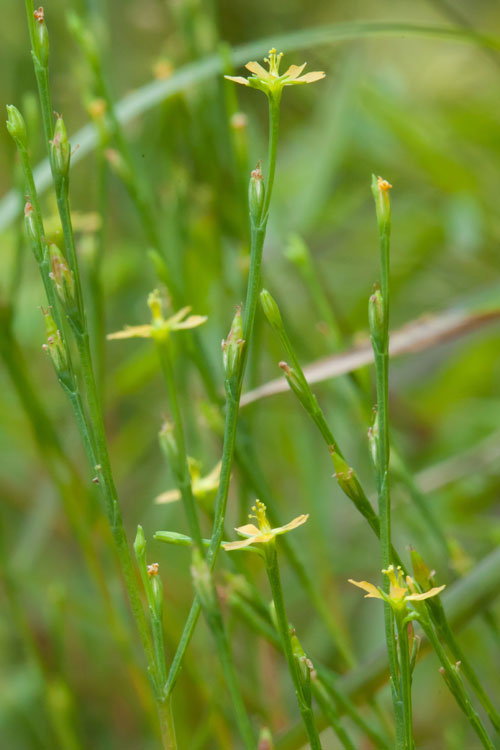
(263, 532)
(270, 81)
(160, 327)
(401, 590)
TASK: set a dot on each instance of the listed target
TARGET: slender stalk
(180, 467)
(273, 574)
(455, 684)
(233, 386)
(404, 661)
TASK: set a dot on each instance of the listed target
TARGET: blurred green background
(423, 112)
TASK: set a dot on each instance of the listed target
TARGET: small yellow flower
(263, 532)
(204, 488)
(270, 81)
(401, 590)
(160, 327)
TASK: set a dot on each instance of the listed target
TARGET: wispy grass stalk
(379, 333)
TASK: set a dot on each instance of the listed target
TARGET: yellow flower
(270, 81)
(401, 590)
(160, 327)
(204, 488)
(263, 532)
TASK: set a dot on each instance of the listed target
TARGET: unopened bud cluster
(60, 149)
(256, 196)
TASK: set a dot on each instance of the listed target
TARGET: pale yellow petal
(179, 315)
(131, 332)
(171, 496)
(373, 592)
(294, 71)
(257, 69)
(426, 595)
(192, 322)
(248, 530)
(292, 525)
(316, 75)
(237, 79)
(228, 546)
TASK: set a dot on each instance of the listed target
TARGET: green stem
(455, 684)
(233, 392)
(181, 468)
(167, 724)
(404, 661)
(330, 714)
(273, 573)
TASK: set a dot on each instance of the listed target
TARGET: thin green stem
(455, 684)
(181, 468)
(404, 661)
(273, 574)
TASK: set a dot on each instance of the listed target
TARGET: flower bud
(271, 310)
(296, 251)
(55, 345)
(140, 545)
(376, 319)
(60, 150)
(233, 346)
(156, 589)
(265, 740)
(256, 194)
(61, 276)
(298, 384)
(29, 223)
(41, 40)
(380, 190)
(421, 573)
(16, 126)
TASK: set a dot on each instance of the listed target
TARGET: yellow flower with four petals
(263, 532)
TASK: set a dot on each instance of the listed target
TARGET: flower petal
(131, 332)
(316, 75)
(171, 496)
(248, 530)
(373, 592)
(192, 322)
(238, 79)
(292, 525)
(294, 71)
(426, 595)
(228, 546)
(257, 69)
(179, 315)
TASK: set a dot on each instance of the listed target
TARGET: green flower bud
(265, 740)
(233, 346)
(16, 126)
(55, 345)
(380, 190)
(376, 319)
(156, 589)
(29, 223)
(298, 385)
(60, 150)
(61, 276)
(140, 545)
(41, 40)
(256, 194)
(296, 251)
(271, 310)
(421, 572)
